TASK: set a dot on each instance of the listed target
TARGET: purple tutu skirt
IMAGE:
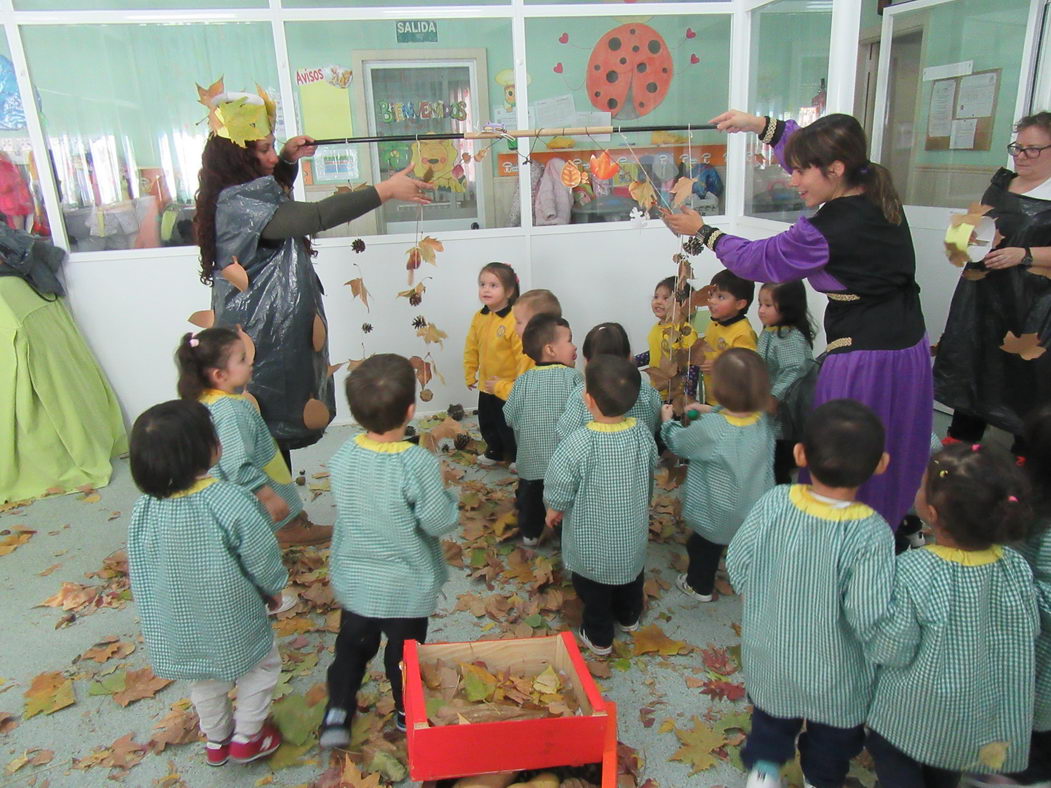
(897, 385)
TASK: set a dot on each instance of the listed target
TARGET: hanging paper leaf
(603, 166)
(1027, 345)
(316, 415)
(319, 334)
(428, 247)
(204, 318)
(422, 368)
(236, 275)
(432, 334)
(642, 192)
(358, 290)
(413, 262)
(682, 190)
(570, 175)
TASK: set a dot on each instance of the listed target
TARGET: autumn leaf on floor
(122, 755)
(697, 746)
(8, 722)
(721, 689)
(72, 596)
(179, 726)
(298, 720)
(646, 716)
(652, 640)
(718, 661)
(48, 693)
(348, 775)
(108, 648)
(139, 684)
(17, 537)
(31, 757)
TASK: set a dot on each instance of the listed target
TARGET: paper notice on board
(962, 136)
(977, 96)
(943, 96)
(555, 112)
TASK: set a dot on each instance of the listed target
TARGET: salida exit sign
(417, 31)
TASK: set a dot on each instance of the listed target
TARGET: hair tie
(1012, 499)
(975, 446)
(194, 341)
(864, 168)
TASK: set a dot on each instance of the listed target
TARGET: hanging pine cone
(358, 245)
(419, 321)
(462, 441)
(416, 299)
(366, 328)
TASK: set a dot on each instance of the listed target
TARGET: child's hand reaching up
(553, 518)
(667, 413)
(274, 503)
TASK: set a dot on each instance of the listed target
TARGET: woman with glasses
(1008, 291)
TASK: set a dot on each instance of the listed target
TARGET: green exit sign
(417, 31)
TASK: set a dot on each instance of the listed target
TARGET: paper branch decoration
(1027, 345)
(971, 236)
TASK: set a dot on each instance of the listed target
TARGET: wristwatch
(1027, 258)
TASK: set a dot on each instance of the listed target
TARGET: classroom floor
(120, 722)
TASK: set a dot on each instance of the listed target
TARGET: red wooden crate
(440, 752)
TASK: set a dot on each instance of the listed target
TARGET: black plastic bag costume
(277, 310)
(971, 373)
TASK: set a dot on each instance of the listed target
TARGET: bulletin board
(962, 110)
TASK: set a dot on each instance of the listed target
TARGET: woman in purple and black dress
(857, 250)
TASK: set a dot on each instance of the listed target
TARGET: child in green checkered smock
(729, 448)
(955, 650)
(786, 346)
(600, 480)
(386, 567)
(204, 565)
(536, 402)
(814, 569)
(214, 365)
(612, 339)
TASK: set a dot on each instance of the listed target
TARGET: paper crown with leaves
(239, 117)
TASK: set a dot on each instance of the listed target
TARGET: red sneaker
(259, 746)
(948, 440)
(217, 752)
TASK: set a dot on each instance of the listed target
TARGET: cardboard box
(440, 752)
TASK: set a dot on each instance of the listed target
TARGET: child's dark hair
(669, 282)
(1037, 435)
(740, 381)
(613, 382)
(380, 391)
(508, 278)
(844, 441)
(839, 137)
(540, 331)
(980, 494)
(739, 288)
(171, 445)
(197, 353)
(606, 339)
(790, 300)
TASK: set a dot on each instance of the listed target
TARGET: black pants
(824, 751)
(970, 429)
(499, 438)
(893, 767)
(529, 501)
(1039, 768)
(784, 462)
(604, 605)
(357, 643)
(704, 563)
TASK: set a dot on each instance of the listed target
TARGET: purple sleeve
(791, 127)
(797, 253)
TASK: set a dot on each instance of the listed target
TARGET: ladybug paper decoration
(629, 71)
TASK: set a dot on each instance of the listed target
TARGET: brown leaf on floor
(179, 726)
(138, 685)
(48, 693)
(697, 746)
(121, 756)
(652, 640)
(108, 648)
(12, 540)
(72, 596)
(8, 722)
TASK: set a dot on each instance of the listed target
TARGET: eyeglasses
(1028, 153)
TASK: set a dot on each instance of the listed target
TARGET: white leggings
(255, 690)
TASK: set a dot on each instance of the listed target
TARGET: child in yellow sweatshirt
(491, 358)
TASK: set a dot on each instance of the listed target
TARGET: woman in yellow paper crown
(251, 231)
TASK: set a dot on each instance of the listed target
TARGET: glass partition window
(124, 129)
(627, 71)
(789, 75)
(391, 78)
(21, 198)
(951, 90)
(132, 5)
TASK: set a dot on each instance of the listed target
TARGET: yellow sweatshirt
(493, 350)
(720, 337)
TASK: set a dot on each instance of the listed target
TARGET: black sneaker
(399, 721)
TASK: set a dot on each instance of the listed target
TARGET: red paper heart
(694, 59)
(564, 38)
(558, 68)
(690, 33)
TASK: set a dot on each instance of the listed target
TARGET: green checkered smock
(391, 507)
(646, 410)
(731, 466)
(786, 353)
(250, 457)
(201, 562)
(537, 400)
(815, 578)
(601, 477)
(955, 687)
(1037, 551)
